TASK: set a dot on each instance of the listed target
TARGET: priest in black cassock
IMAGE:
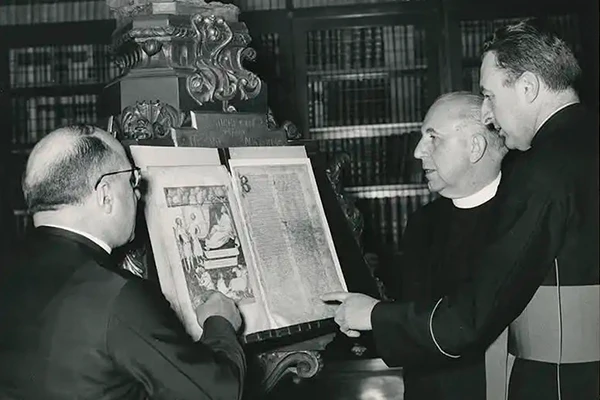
(538, 270)
(461, 158)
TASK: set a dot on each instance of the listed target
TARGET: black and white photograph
(299, 199)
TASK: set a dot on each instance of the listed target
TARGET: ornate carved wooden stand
(182, 65)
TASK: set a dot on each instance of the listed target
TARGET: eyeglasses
(134, 179)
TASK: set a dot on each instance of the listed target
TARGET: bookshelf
(356, 76)
(365, 78)
(57, 59)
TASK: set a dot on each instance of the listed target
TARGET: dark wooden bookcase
(50, 75)
(356, 76)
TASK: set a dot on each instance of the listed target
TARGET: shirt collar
(94, 239)
(554, 112)
(480, 197)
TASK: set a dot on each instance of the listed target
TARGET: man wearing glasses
(75, 326)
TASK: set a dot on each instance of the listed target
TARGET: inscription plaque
(228, 130)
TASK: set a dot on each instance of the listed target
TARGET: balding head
(79, 177)
(463, 111)
(64, 165)
(460, 155)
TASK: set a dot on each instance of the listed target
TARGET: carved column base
(278, 364)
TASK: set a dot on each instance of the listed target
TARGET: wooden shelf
(363, 73)
(387, 191)
(364, 131)
(355, 14)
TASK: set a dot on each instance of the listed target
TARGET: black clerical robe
(543, 231)
(437, 244)
(75, 327)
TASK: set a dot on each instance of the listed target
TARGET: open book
(256, 232)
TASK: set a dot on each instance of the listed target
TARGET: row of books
(389, 47)
(474, 33)
(386, 211)
(269, 53)
(323, 3)
(375, 100)
(34, 117)
(377, 160)
(15, 12)
(281, 4)
(248, 5)
(61, 65)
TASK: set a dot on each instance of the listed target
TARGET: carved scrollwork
(148, 120)
(271, 122)
(291, 131)
(140, 34)
(132, 258)
(353, 215)
(289, 128)
(136, 47)
(219, 74)
(277, 364)
(356, 221)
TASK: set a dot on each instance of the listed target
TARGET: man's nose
(420, 150)
(487, 115)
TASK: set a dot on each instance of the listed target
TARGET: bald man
(74, 326)
(461, 159)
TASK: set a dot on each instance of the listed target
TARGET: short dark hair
(68, 178)
(531, 45)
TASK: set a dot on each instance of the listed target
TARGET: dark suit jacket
(75, 327)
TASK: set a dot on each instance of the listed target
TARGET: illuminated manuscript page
(291, 243)
(197, 242)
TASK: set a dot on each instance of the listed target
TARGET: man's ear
(529, 86)
(478, 147)
(104, 197)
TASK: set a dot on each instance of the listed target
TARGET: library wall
(367, 93)
(357, 76)
(19, 12)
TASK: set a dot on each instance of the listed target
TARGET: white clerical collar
(555, 111)
(94, 239)
(480, 197)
